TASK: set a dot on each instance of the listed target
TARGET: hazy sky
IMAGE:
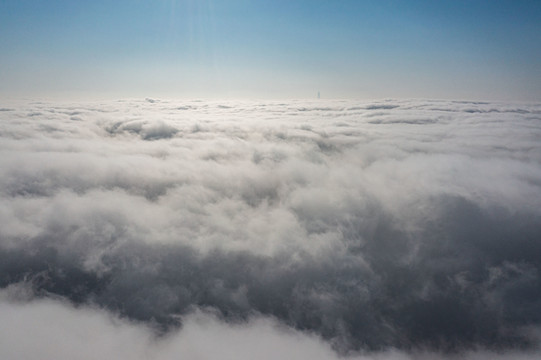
(239, 48)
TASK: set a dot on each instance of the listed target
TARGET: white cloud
(369, 224)
(49, 329)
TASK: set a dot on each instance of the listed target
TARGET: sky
(271, 49)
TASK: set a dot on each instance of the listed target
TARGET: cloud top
(393, 224)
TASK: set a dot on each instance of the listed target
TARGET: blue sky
(240, 48)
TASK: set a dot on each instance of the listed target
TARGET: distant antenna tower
(318, 95)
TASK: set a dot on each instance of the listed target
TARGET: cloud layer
(394, 224)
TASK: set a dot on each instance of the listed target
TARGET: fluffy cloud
(48, 329)
(396, 224)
